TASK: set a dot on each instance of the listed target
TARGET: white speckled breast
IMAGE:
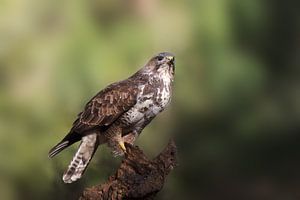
(145, 107)
(149, 105)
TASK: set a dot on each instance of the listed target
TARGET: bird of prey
(119, 113)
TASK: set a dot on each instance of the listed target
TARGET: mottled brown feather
(106, 106)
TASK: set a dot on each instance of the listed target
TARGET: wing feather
(101, 111)
(107, 106)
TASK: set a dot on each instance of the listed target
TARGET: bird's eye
(159, 58)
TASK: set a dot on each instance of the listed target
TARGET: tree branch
(137, 178)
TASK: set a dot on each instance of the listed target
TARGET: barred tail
(80, 161)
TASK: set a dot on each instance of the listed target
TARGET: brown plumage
(118, 113)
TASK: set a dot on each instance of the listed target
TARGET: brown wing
(102, 110)
(106, 106)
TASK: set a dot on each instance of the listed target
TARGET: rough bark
(137, 177)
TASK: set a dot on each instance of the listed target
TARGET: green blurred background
(235, 114)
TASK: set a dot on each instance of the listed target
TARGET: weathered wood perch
(137, 178)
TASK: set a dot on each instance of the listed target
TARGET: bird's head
(161, 63)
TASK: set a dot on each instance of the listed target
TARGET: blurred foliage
(235, 114)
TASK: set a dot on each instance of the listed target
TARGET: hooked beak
(171, 59)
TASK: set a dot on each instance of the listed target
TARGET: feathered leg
(117, 142)
(130, 137)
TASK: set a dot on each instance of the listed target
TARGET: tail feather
(71, 138)
(80, 161)
(58, 148)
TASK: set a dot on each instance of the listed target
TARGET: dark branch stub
(137, 178)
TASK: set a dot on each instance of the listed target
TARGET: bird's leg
(115, 141)
(117, 145)
(130, 137)
(122, 145)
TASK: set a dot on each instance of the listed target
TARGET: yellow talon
(122, 145)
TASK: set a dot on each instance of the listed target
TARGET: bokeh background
(235, 114)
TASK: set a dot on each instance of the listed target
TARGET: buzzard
(119, 113)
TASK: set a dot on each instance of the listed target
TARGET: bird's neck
(151, 77)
